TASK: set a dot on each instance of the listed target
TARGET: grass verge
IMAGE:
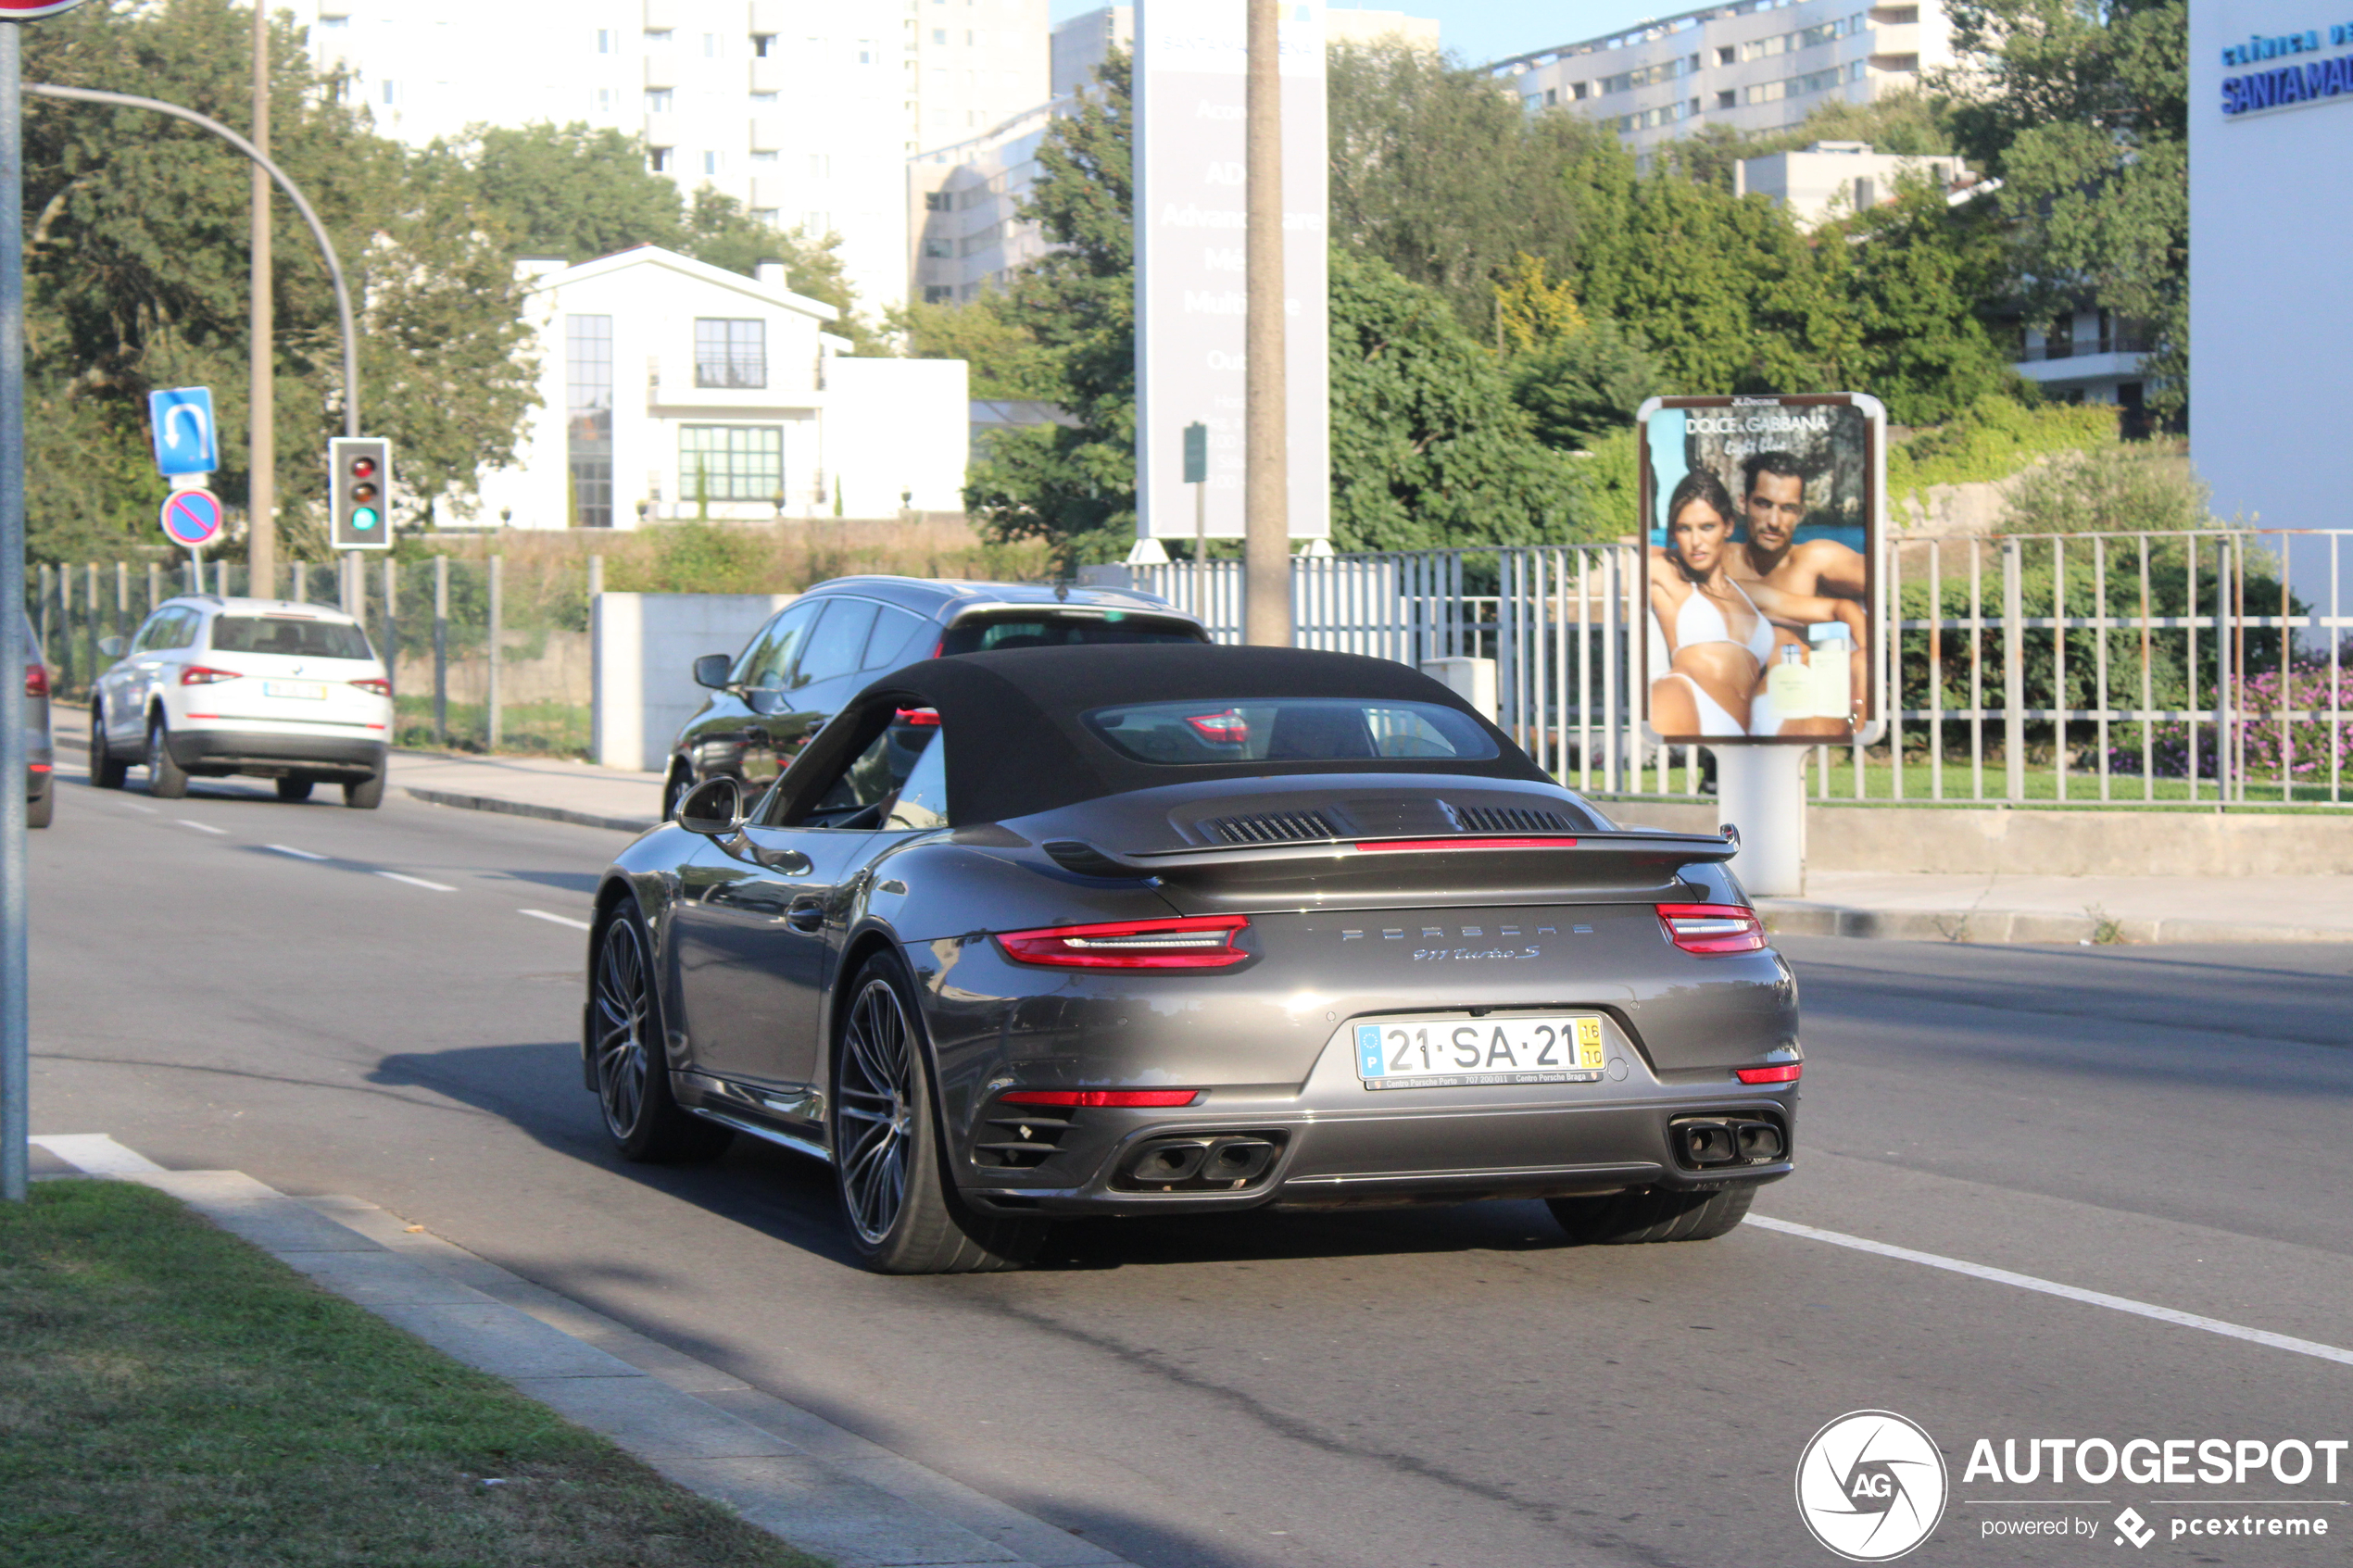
(172, 1397)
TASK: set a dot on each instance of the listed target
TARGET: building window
(388, 92)
(657, 37)
(938, 294)
(934, 201)
(731, 462)
(588, 417)
(731, 352)
(939, 35)
(763, 100)
(763, 214)
(658, 160)
(604, 100)
(604, 41)
(333, 23)
(711, 46)
(763, 45)
(657, 100)
(767, 157)
(940, 250)
(710, 163)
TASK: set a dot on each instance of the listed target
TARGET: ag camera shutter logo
(1871, 1486)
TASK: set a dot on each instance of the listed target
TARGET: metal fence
(481, 658)
(2205, 668)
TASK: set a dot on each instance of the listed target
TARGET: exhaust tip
(1204, 1162)
(1704, 1143)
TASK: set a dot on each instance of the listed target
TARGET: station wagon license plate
(315, 691)
(1455, 1053)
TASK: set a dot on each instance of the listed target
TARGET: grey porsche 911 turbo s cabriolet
(1045, 934)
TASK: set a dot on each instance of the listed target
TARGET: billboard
(1191, 58)
(1761, 526)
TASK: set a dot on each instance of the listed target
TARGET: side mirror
(712, 670)
(713, 807)
(111, 647)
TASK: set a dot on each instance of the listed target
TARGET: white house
(670, 388)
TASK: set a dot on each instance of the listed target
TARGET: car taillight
(1786, 1072)
(1228, 728)
(922, 717)
(1199, 942)
(1712, 928)
(1102, 1096)
(198, 675)
(36, 680)
(372, 683)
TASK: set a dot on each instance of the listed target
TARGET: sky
(1480, 31)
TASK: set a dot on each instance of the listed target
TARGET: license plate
(1442, 1053)
(313, 690)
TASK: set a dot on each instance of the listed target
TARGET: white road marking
(201, 827)
(96, 1154)
(151, 811)
(419, 882)
(289, 849)
(2067, 1292)
(560, 919)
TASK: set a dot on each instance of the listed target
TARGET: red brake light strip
(1196, 942)
(1102, 1096)
(1787, 1072)
(1386, 844)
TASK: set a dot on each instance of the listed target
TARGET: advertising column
(1190, 63)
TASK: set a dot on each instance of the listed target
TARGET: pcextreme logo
(1871, 1486)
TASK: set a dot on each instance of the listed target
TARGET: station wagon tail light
(1712, 928)
(1228, 728)
(1786, 1072)
(1100, 1096)
(199, 675)
(922, 717)
(1198, 942)
(375, 684)
(36, 680)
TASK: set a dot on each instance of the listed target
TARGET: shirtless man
(1773, 504)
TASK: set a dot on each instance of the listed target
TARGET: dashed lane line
(297, 854)
(417, 882)
(201, 827)
(560, 919)
(2066, 1292)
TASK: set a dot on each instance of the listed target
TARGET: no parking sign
(192, 517)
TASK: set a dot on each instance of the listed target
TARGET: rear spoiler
(1619, 859)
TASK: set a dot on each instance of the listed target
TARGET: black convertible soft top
(1017, 746)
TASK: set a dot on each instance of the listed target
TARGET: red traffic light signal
(363, 468)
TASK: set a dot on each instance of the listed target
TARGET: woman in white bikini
(1720, 635)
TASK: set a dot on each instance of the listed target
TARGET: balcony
(661, 70)
(767, 133)
(2120, 342)
(768, 74)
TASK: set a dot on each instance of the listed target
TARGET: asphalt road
(382, 1004)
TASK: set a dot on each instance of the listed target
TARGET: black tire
(628, 1062)
(1651, 1214)
(107, 769)
(365, 795)
(294, 788)
(166, 779)
(890, 1159)
(42, 808)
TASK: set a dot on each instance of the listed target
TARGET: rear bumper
(269, 755)
(39, 761)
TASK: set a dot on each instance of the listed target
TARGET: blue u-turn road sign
(185, 442)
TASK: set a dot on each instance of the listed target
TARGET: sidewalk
(1928, 907)
(555, 788)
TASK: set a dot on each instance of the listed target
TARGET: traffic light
(360, 493)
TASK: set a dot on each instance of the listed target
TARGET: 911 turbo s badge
(1447, 954)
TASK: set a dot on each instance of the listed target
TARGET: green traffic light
(364, 518)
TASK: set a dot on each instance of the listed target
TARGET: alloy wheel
(624, 1056)
(874, 1116)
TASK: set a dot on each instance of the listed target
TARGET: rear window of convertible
(295, 635)
(1290, 729)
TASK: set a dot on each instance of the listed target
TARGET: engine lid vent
(1271, 827)
(1507, 819)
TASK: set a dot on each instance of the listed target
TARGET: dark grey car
(1037, 935)
(41, 758)
(813, 655)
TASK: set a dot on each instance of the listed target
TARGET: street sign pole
(1197, 475)
(16, 1066)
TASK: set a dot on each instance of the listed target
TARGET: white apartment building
(1080, 43)
(1831, 179)
(1753, 65)
(804, 112)
(672, 389)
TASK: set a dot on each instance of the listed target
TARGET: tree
(1074, 485)
(1007, 360)
(1922, 275)
(1585, 384)
(2082, 107)
(138, 272)
(1428, 450)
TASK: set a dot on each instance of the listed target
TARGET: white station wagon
(265, 688)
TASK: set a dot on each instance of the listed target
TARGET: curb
(794, 1475)
(526, 809)
(1796, 918)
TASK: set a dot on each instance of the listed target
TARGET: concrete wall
(1979, 841)
(645, 648)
